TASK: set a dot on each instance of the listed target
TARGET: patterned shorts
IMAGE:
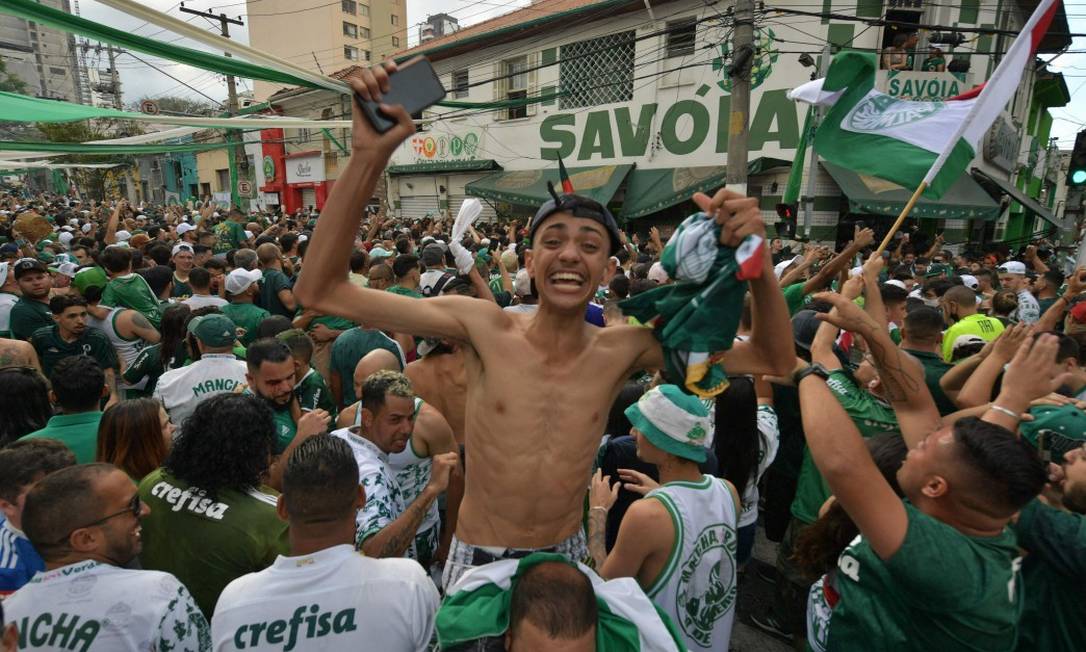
(464, 556)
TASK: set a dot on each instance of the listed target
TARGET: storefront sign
(684, 127)
(305, 169)
(269, 169)
(433, 146)
(1001, 144)
(922, 86)
(269, 198)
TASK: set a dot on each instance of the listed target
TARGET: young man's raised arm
(902, 375)
(323, 284)
(842, 458)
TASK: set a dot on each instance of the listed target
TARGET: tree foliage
(9, 82)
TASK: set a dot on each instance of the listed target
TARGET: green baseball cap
(89, 277)
(673, 421)
(1055, 430)
(213, 330)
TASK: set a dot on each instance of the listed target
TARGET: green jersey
(1053, 574)
(79, 432)
(28, 316)
(273, 283)
(228, 235)
(942, 590)
(407, 292)
(247, 316)
(313, 393)
(51, 348)
(207, 541)
(794, 297)
(934, 368)
(871, 416)
(132, 291)
(350, 347)
(285, 428)
(181, 289)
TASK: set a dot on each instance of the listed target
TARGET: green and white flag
(909, 142)
(477, 606)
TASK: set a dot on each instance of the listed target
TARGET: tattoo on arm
(403, 530)
(139, 321)
(897, 381)
(597, 542)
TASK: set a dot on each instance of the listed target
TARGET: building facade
(326, 36)
(636, 102)
(44, 58)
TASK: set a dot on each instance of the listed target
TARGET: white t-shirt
(198, 301)
(180, 390)
(1029, 311)
(334, 599)
(95, 607)
(7, 301)
(769, 440)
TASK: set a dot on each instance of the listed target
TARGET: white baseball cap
(123, 235)
(65, 237)
(181, 246)
(522, 285)
(184, 228)
(87, 228)
(896, 283)
(657, 273)
(239, 280)
(970, 282)
(1013, 267)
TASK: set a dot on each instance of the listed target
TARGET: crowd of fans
(422, 442)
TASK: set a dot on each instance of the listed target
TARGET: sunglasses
(135, 507)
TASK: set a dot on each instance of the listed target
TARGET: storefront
(291, 181)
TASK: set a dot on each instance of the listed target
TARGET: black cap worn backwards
(578, 206)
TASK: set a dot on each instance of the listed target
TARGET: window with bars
(365, 55)
(350, 30)
(349, 7)
(460, 83)
(515, 71)
(680, 37)
(350, 53)
(597, 71)
(395, 41)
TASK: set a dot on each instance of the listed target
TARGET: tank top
(127, 350)
(697, 586)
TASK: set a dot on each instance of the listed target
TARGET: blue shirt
(18, 559)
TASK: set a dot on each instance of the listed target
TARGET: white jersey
(769, 440)
(384, 500)
(697, 588)
(1029, 311)
(180, 390)
(93, 607)
(127, 349)
(7, 301)
(198, 301)
(334, 599)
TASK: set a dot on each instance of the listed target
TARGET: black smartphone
(415, 85)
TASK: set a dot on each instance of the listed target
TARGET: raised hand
(602, 493)
(738, 215)
(370, 83)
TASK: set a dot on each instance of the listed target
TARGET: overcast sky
(138, 80)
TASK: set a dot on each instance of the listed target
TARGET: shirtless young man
(539, 386)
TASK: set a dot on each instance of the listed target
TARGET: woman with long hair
(168, 353)
(135, 436)
(746, 442)
(24, 403)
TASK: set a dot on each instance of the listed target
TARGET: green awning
(965, 200)
(529, 187)
(1005, 187)
(476, 165)
(649, 191)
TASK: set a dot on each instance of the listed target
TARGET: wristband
(999, 408)
(599, 507)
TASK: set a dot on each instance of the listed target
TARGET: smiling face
(570, 257)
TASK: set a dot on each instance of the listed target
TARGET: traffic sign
(245, 188)
(150, 107)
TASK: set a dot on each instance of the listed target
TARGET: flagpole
(901, 218)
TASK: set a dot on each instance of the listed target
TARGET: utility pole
(739, 115)
(807, 197)
(239, 162)
(114, 78)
